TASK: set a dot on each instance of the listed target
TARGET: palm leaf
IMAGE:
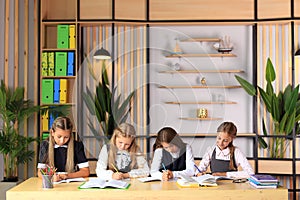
(270, 72)
(250, 89)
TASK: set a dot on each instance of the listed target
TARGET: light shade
(297, 52)
(102, 54)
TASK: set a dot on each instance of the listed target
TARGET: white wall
(162, 42)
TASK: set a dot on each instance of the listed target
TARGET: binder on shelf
(70, 71)
(45, 122)
(44, 64)
(62, 36)
(56, 91)
(50, 63)
(60, 63)
(45, 135)
(51, 120)
(63, 91)
(72, 40)
(47, 91)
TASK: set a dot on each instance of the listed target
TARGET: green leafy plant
(109, 111)
(14, 109)
(283, 107)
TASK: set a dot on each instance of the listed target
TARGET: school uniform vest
(126, 167)
(172, 164)
(217, 165)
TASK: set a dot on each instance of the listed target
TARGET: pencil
(197, 168)
(164, 166)
(114, 167)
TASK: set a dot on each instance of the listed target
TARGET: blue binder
(70, 70)
(51, 120)
(56, 91)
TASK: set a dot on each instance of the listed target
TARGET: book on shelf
(149, 179)
(102, 183)
(80, 179)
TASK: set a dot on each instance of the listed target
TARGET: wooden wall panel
(201, 9)
(273, 9)
(95, 9)
(131, 9)
(297, 8)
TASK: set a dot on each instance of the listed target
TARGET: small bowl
(225, 50)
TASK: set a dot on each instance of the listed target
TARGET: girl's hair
(168, 135)
(63, 123)
(231, 130)
(123, 130)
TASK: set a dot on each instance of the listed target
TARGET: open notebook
(101, 183)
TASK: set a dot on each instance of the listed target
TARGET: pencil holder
(202, 113)
(47, 181)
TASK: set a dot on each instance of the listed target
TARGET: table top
(32, 189)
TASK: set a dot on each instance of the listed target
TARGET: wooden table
(32, 189)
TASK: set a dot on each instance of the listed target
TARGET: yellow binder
(63, 91)
(72, 41)
(45, 122)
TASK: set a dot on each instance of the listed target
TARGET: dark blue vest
(172, 164)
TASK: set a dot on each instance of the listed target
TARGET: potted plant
(14, 109)
(284, 108)
(109, 111)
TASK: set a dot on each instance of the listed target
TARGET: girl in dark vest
(224, 157)
(63, 152)
(172, 157)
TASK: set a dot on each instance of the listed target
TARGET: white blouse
(240, 159)
(122, 160)
(156, 163)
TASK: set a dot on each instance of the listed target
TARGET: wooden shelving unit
(200, 86)
(201, 102)
(202, 40)
(201, 55)
(200, 119)
(202, 71)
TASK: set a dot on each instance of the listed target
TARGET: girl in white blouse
(122, 158)
(172, 157)
(224, 157)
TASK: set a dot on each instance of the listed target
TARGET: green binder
(44, 64)
(50, 63)
(62, 36)
(60, 63)
(47, 91)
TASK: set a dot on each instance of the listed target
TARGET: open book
(70, 180)
(101, 183)
(204, 180)
(149, 179)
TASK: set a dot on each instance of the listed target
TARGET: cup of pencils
(47, 177)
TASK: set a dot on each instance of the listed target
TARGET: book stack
(263, 181)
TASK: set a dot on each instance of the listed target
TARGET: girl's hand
(219, 174)
(167, 174)
(63, 176)
(200, 174)
(117, 176)
(56, 178)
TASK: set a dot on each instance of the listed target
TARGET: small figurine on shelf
(176, 67)
(224, 46)
(177, 49)
(203, 81)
